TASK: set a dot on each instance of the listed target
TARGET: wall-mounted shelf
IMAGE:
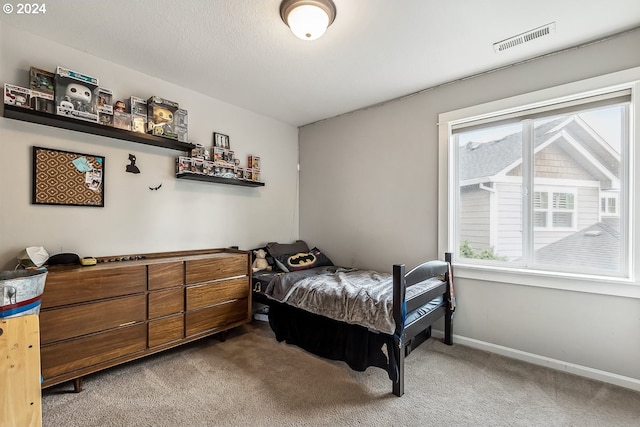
(219, 180)
(18, 113)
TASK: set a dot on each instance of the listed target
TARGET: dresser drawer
(217, 316)
(69, 356)
(218, 267)
(82, 284)
(166, 330)
(164, 303)
(68, 322)
(166, 275)
(217, 292)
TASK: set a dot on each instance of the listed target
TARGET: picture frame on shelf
(221, 140)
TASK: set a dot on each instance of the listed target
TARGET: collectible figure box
(16, 95)
(105, 100)
(239, 173)
(197, 165)
(105, 106)
(76, 95)
(253, 162)
(105, 119)
(121, 120)
(200, 152)
(41, 80)
(181, 118)
(248, 172)
(183, 164)
(255, 175)
(181, 123)
(218, 154)
(209, 167)
(160, 115)
(41, 101)
(138, 108)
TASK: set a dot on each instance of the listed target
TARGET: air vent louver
(536, 33)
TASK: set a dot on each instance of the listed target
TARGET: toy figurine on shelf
(76, 95)
(80, 97)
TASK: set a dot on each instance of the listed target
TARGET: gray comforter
(360, 297)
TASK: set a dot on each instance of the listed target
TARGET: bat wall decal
(155, 188)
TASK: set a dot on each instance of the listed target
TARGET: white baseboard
(559, 365)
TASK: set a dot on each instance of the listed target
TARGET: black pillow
(302, 260)
(276, 249)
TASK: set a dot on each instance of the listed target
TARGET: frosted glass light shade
(308, 19)
(308, 22)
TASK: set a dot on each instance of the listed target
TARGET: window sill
(566, 282)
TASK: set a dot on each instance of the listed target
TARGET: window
(561, 210)
(543, 186)
(609, 205)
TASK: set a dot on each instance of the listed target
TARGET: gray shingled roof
(486, 159)
(597, 247)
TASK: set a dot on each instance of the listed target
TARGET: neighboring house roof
(597, 246)
(483, 160)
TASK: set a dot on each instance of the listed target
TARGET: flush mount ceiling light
(308, 19)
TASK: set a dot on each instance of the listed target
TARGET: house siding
(475, 217)
(554, 162)
(509, 220)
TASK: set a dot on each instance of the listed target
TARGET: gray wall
(369, 195)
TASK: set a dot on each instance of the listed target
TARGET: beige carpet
(252, 380)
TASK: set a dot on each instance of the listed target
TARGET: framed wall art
(67, 178)
(220, 140)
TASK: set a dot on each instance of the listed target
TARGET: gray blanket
(360, 297)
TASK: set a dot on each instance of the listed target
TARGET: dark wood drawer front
(216, 316)
(74, 321)
(217, 292)
(166, 330)
(166, 275)
(219, 267)
(164, 303)
(83, 352)
(91, 283)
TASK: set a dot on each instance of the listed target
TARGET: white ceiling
(240, 51)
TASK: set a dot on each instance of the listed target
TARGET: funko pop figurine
(66, 103)
(79, 95)
(76, 95)
(162, 116)
(119, 106)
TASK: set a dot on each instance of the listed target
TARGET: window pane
(540, 200)
(562, 219)
(489, 226)
(562, 201)
(576, 158)
(539, 219)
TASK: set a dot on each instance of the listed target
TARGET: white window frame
(447, 179)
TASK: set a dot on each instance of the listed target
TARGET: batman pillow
(302, 260)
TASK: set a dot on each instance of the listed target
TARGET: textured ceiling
(240, 51)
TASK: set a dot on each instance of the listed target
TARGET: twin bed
(362, 317)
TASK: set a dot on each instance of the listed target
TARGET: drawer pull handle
(127, 323)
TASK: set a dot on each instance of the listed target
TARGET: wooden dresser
(96, 317)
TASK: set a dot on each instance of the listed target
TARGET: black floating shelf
(18, 113)
(219, 180)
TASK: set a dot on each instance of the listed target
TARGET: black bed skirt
(328, 338)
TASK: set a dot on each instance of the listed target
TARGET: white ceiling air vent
(530, 35)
